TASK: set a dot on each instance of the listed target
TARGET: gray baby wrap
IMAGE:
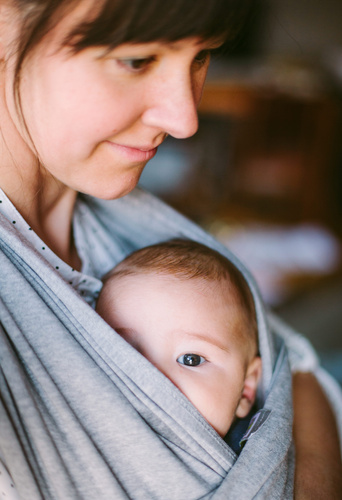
(85, 416)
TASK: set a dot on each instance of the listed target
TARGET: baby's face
(191, 331)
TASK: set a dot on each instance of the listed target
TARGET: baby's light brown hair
(186, 260)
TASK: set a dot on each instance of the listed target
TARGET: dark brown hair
(186, 260)
(110, 23)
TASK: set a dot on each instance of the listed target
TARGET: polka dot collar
(83, 282)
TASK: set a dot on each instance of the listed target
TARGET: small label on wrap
(256, 422)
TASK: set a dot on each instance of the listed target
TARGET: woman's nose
(173, 106)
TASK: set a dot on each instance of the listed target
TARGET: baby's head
(190, 312)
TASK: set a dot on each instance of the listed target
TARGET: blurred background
(264, 171)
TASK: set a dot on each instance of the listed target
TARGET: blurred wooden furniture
(229, 99)
(283, 146)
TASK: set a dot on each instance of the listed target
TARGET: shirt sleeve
(302, 356)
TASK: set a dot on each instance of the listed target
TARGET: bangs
(140, 21)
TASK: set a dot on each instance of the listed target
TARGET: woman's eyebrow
(214, 43)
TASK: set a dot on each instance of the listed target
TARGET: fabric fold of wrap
(83, 415)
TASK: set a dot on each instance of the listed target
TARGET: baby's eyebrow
(208, 339)
(121, 330)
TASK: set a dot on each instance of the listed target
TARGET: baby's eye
(136, 64)
(191, 359)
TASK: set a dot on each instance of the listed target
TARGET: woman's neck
(45, 203)
(47, 206)
(53, 224)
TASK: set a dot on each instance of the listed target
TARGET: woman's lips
(134, 154)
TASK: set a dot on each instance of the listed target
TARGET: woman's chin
(111, 190)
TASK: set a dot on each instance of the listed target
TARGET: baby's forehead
(226, 294)
(222, 288)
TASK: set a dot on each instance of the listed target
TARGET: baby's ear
(253, 375)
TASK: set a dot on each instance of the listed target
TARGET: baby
(190, 312)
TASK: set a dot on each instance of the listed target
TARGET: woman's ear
(250, 386)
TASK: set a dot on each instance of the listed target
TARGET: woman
(89, 91)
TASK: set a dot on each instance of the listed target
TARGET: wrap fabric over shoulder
(84, 416)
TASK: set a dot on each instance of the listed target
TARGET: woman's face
(97, 117)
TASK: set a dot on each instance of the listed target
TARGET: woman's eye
(202, 57)
(137, 64)
(191, 359)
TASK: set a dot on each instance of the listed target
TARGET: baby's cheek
(219, 412)
(206, 394)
